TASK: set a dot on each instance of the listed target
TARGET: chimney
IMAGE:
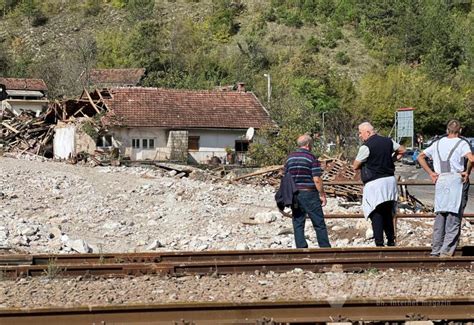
(241, 86)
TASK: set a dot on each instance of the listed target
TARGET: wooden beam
(91, 101)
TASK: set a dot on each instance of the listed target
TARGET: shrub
(342, 58)
(312, 45)
(91, 7)
(39, 20)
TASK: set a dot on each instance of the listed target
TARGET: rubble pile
(334, 170)
(270, 175)
(55, 207)
(340, 170)
(26, 133)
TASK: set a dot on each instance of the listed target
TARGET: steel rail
(193, 256)
(404, 182)
(397, 216)
(269, 312)
(240, 266)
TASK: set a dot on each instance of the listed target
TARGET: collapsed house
(23, 95)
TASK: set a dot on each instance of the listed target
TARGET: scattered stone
(266, 217)
(28, 231)
(369, 234)
(241, 247)
(154, 245)
(79, 246)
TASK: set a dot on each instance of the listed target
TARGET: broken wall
(70, 139)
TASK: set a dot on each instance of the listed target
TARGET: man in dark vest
(375, 160)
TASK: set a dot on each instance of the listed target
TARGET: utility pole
(323, 131)
(269, 87)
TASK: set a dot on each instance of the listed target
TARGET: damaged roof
(116, 77)
(176, 108)
(24, 84)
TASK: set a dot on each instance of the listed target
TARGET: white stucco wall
(19, 105)
(63, 141)
(124, 136)
(212, 142)
(69, 140)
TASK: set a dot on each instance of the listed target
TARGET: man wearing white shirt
(375, 160)
(448, 154)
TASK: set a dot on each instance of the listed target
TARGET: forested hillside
(354, 60)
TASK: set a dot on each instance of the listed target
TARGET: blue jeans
(310, 204)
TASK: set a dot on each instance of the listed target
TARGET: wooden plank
(11, 128)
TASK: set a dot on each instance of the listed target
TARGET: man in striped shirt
(306, 171)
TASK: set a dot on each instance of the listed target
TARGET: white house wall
(69, 140)
(123, 137)
(63, 141)
(212, 142)
(20, 105)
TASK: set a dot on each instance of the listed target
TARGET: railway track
(292, 312)
(227, 262)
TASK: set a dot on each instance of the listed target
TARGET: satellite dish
(250, 133)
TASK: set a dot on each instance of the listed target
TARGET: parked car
(409, 157)
(471, 141)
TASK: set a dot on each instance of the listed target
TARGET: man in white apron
(375, 160)
(447, 154)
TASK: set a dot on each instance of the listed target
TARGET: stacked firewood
(25, 133)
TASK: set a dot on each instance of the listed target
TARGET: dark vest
(379, 163)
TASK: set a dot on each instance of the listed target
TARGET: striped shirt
(303, 166)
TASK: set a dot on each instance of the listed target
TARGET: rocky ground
(295, 285)
(55, 207)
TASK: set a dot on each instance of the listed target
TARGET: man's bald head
(304, 141)
(366, 130)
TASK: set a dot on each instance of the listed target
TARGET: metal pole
(324, 133)
(269, 87)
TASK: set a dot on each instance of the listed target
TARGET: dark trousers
(382, 221)
(309, 204)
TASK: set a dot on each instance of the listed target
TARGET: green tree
(140, 9)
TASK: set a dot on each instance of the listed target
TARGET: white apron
(378, 191)
(448, 193)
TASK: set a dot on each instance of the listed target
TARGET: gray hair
(304, 140)
(367, 126)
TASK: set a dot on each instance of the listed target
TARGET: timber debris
(26, 133)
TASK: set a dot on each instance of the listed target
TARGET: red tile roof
(23, 84)
(173, 108)
(117, 77)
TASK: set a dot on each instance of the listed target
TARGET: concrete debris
(79, 246)
(116, 209)
(154, 245)
(266, 217)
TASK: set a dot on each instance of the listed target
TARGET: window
(241, 145)
(104, 141)
(193, 143)
(145, 143)
(136, 143)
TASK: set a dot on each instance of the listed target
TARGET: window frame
(195, 140)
